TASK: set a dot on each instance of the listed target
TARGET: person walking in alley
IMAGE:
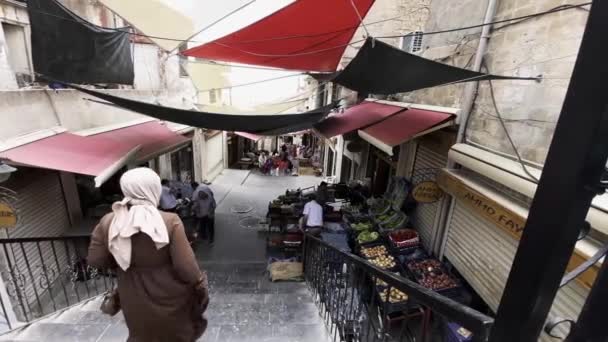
(168, 202)
(203, 207)
(161, 289)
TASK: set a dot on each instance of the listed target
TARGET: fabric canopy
(99, 155)
(209, 76)
(155, 19)
(356, 117)
(404, 126)
(271, 108)
(305, 35)
(270, 124)
(379, 68)
(250, 136)
(68, 48)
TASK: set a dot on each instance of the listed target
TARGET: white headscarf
(142, 189)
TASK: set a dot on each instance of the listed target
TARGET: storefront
(491, 197)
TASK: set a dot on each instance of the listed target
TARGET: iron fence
(43, 275)
(354, 299)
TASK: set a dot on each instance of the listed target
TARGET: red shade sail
(403, 127)
(356, 117)
(99, 155)
(306, 35)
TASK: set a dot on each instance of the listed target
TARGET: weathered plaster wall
(544, 46)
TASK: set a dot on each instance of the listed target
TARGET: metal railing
(43, 275)
(347, 290)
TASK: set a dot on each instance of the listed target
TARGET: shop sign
(506, 220)
(427, 192)
(8, 216)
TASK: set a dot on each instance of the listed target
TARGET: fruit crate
(438, 270)
(380, 206)
(395, 269)
(388, 306)
(410, 238)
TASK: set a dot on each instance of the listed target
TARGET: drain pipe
(470, 92)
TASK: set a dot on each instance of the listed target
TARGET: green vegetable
(367, 236)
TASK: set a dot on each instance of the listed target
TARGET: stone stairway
(244, 306)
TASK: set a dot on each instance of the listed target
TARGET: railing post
(570, 179)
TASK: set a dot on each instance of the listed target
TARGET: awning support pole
(571, 178)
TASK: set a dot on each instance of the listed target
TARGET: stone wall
(544, 46)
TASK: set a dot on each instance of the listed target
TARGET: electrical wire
(215, 23)
(252, 83)
(352, 2)
(562, 8)
(538, 14)
(504, 127)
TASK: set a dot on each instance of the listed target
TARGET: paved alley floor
(244, 304)
(240, 189)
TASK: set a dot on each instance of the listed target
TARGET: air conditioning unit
(412, 42)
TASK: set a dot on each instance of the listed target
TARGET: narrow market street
(245, 305)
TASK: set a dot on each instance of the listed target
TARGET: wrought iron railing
(43, 275)
(347, 290)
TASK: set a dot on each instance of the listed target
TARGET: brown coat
(157, 293)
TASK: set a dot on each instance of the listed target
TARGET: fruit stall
(386, 238)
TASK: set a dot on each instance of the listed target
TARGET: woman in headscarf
(161, 289)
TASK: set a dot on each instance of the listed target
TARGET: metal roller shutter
(484, 254)
(42, 213)
(424, 216)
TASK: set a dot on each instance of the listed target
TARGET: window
(18, 53)
(412, 42)
(212, 96)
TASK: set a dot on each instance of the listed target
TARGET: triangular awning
(70, 49)
(306, 35)
(267, 124)
(379, 68)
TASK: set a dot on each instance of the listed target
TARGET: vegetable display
(374, 252)
(395, 296)
(404, 238)
(430, 274)
(367, 236)
(361, 226)
(384, 261)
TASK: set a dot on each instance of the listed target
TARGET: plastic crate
(456, 333)
(388, 306)
(418, 276)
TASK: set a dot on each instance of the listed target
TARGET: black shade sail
(68, 48)
(379, 68)
(271, 124)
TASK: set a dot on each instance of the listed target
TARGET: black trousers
(206, 226)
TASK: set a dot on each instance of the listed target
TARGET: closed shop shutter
(42, 212)
(483, 254)
(424, 215)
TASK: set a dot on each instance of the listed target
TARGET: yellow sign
(427, 192)
(8, 216)
(506, 220)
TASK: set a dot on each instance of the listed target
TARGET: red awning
(99, 155)
(153, 137)
(249, 136)
(356, 117)
(403, 127)
(308, 35)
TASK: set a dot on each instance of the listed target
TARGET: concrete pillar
(164, 166)
(199, 148)
(7, 74)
